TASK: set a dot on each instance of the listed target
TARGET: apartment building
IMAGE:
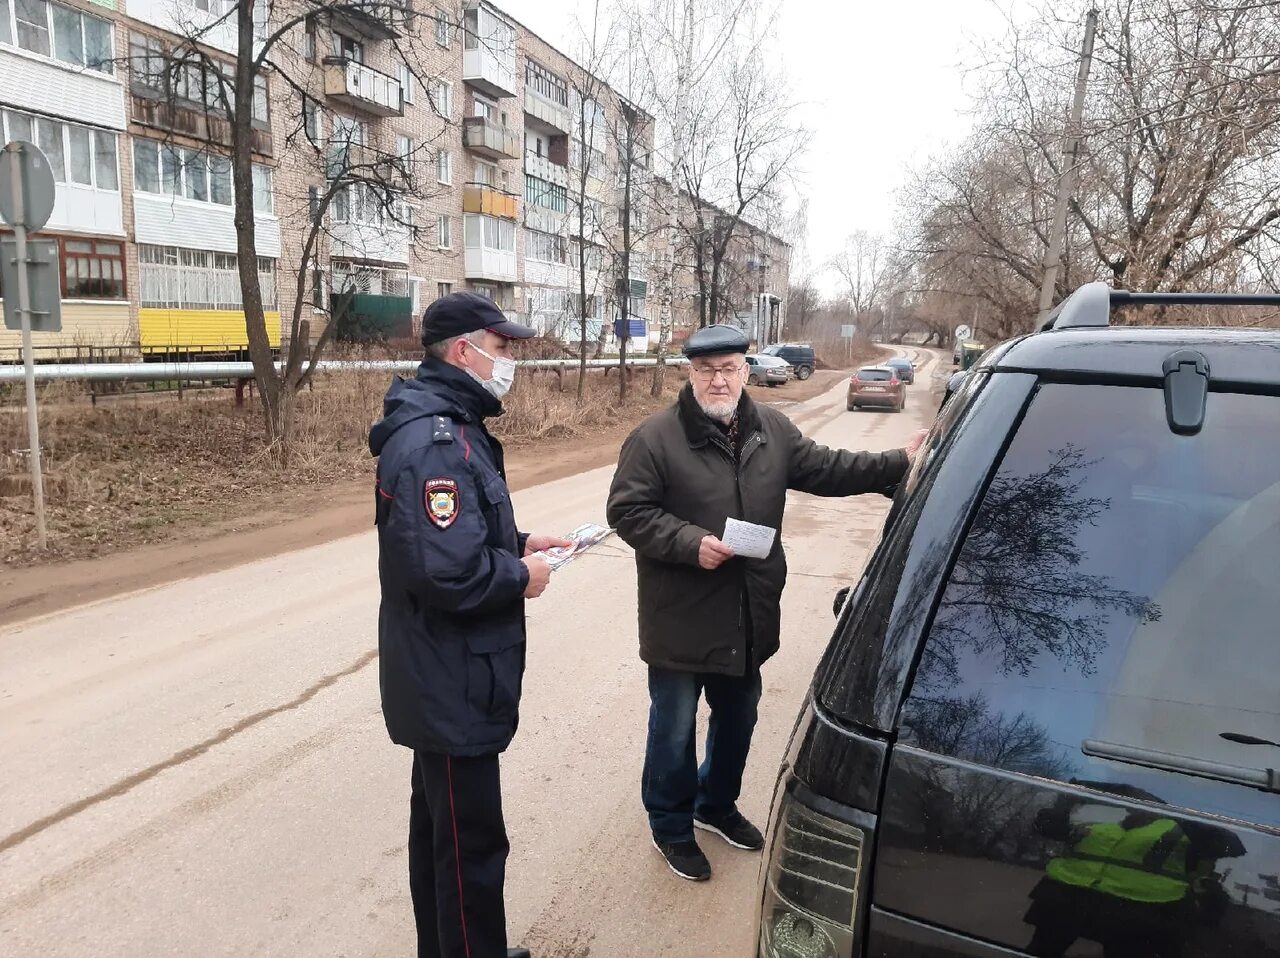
(61, 88)
(394, 159)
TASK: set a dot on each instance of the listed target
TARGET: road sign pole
(28, 353)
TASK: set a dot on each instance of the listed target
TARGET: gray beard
(721, 411)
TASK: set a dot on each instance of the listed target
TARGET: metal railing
(228, 371)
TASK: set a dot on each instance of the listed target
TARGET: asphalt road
(201, 769)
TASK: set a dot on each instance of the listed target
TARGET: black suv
(799, 356)
(1048, 722)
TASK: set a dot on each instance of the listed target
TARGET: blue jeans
(674, 788)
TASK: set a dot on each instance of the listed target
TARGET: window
(544, 247)
(92, 269)
(404, 149)
(177, 278)
(164, 169)
(442, 98)
(545, 83)
(53, 30)
(105, 171)
(444, 232)
(262, 198)
(147, 61)
(1115, 586)
(406, 82)
(347, 48)
(539, 192)
(311, 121)
(443, 289)
(220, 189)
(442, 27)
(261, 103)
(485, 108)
(489, 232)
(76, 154)
(309, 40)
(32, 20)
(444, 167)
(374, 280)
(368, 205)
(317, 288)
(486, 174)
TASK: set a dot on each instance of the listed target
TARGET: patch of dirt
(216, 511)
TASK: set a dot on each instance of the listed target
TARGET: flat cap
(460, 313)
(718, 340)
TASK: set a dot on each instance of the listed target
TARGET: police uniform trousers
(457, 856)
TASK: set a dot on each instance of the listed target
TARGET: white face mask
(504, 374)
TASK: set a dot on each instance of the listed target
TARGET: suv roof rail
(1091, 304)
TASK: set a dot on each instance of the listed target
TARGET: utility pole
(1067, 182)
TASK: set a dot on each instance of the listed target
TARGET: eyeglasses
(706, 374)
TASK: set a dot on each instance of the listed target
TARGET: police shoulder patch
(440, 496)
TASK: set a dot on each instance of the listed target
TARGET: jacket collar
(699, 428)
(472, 400)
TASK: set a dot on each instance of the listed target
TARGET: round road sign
(963, 333)
(36, 179)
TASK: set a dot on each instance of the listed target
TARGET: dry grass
(124, 473)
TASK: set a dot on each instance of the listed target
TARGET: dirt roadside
(296, 518)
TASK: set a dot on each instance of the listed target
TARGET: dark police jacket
(677, 481)
(451, 634)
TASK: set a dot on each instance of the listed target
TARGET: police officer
(455, 573)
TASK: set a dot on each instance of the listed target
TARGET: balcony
(479, 198)
(547, 111)
(489, 139)
(362, 87)
(372, 22)
(544, 169)
(171, 117)
(489, 52)
(489, 248)
(370, 163)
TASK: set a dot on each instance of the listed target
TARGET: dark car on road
(1047, 722)
(801, 357)
(906, 368)
(877, 386)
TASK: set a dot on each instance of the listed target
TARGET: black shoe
(517, 953)
(685, 859)
(735, 830)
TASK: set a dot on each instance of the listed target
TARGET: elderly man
(709, 619)
(455, 574)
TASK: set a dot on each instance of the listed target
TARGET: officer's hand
(712, 553)
(539, 576)
(543, 543)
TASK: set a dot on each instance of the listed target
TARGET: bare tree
(863, 268)
(1178, 185)
(226, 57)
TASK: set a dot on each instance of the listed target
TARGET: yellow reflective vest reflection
(1145, 864)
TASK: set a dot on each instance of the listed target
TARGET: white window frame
(444, 231)
(52, 56)
(444, 168)
(443, 28)
(407, 81)
(442, 98)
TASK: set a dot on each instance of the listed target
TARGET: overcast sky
(880, 85)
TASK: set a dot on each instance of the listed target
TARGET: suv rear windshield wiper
(1266, 779)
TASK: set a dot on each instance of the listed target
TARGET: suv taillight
(811, 884)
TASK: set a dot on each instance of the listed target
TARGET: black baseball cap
(460, 313)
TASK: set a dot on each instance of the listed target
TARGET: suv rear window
(1116, 586)
(874, 375)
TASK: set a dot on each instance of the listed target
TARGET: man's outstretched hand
(916, 442)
